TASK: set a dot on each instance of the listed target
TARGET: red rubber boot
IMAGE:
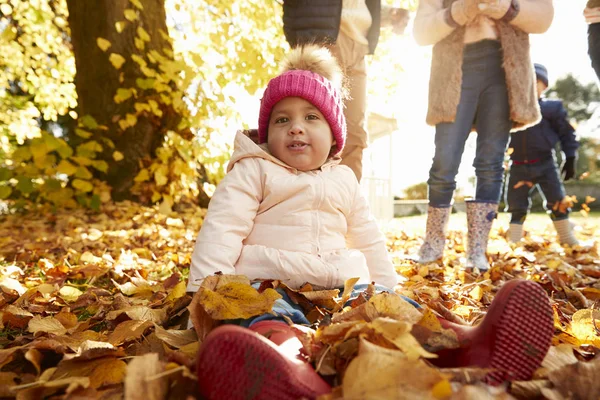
(240, 363)
(512, 339)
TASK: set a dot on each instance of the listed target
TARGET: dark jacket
(318, 21)
(538, 141)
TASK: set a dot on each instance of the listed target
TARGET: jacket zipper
(320, 197)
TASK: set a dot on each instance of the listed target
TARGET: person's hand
(495, 9)
(465, 11)
(399, 19)
(568, 169)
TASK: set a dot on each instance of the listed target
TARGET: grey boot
(435, 236)
(515, 233)
(565, 232)
(480, 217)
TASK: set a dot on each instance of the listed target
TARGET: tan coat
(535, 16)
(267, 220)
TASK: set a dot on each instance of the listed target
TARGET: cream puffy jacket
(267, 220)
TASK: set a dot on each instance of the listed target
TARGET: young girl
(287, 210)
(481, 78)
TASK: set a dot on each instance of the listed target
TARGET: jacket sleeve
(566, 133)
(228, 221)
(535, 16)
(430, 24)
(364, 235)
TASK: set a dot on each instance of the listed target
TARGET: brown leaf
(176, 338)
(558, 357)
(46, 325)
(128, 331)
(34, 357)
(141, 382)
(141, 313)
(16, 317)
(579, 380)
(471, 392)
(201, 321)
(7, 381)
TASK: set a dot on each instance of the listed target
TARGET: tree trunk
(97, 81)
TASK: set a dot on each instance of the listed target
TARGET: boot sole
(239, 364)
(524, 334)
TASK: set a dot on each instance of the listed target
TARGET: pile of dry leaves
(93, 306)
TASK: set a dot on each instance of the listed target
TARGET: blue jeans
(594, 46)
(545, 176)
(285, 306)
(483, 105)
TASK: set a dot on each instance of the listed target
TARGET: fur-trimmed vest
(446, 76)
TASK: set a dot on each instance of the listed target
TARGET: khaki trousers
(351, 56)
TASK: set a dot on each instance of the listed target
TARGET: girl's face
(299, 135)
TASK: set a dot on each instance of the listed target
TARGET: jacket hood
(245, 147)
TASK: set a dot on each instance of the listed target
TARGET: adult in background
(592, 17)
(533, 164)
(481, 78)
(351, 29)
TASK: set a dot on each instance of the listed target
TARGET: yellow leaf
(442, 389)
(139, 107)
(120, 25)
(139, 43)
(108, 371)
(393, 306)
(166, 205)
(160, 175)
(118, 156)
(142, 176)
(137, 3)
(81, 185)
(476, 293)
(177, 292)
(65, 167)
(83, 133)
(381, 375)
(122, 95)
(103, 43)
(398, 332)
(83, 173)
(143, 34)
(116, 60)
(236, 300)
(69, 293)
(131, 119)
(155, 196)
(130, 14)
(46, 325)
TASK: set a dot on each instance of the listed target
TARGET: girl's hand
(495, 9)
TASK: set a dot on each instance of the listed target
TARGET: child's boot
(480, 216)
(435, 235)
(240, 363)
(512, 339)
(564, 228)
(515, 233)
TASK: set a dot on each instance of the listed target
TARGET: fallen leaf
(176, 338)
(142, 381)
(236, 300)
(128, 331)
(46, 325)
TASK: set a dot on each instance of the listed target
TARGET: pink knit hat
(312, 87)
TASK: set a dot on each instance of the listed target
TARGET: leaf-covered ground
(93, 306)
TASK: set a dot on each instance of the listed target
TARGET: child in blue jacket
(534, 165)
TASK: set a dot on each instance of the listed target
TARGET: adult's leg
(351, 56)
(594, 46)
